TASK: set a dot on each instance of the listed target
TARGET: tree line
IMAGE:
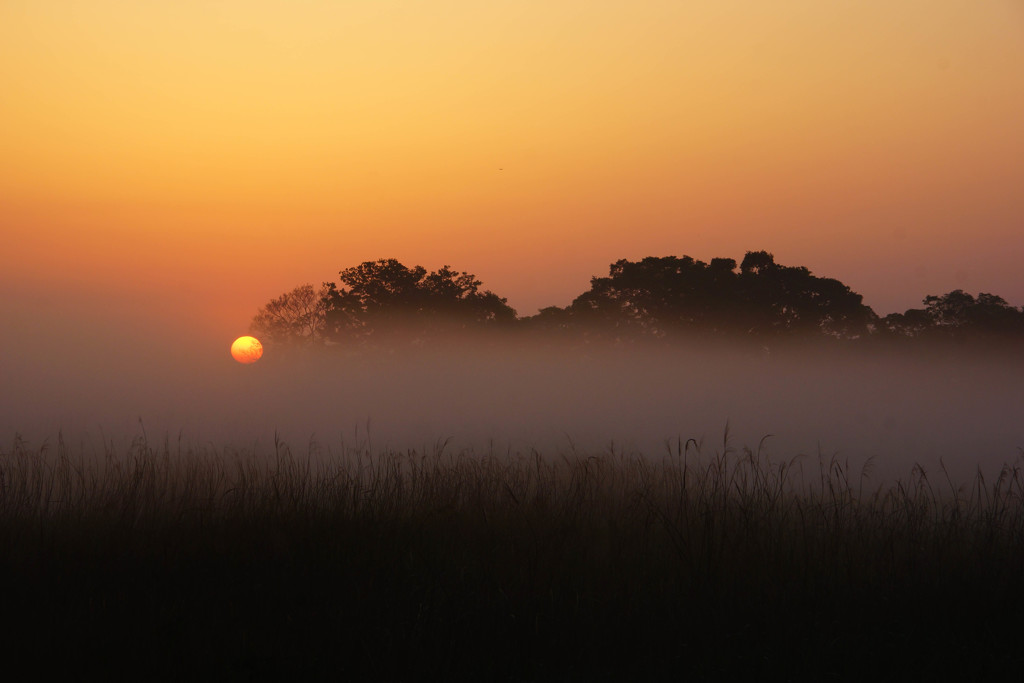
(385, 303)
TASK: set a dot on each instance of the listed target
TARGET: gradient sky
(173, 165)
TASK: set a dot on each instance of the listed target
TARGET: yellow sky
(215, 153)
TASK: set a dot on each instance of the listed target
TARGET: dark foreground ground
(162, 565)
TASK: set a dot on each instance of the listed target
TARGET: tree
(950, 310)
(385, 298)
(910, 324)
(385, 287)
(958, 314)
(993, 314)
(298, 316)
(384, 302)
(457, 297)
(658, 296)
(670, 295)
(757, 262)
(787, 299)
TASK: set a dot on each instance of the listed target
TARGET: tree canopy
(671, 296)
(385, 302)
(297, 316)
(957, 315)
(382, 301)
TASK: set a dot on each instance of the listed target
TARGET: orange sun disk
(246, 350)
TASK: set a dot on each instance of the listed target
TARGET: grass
(175, 561)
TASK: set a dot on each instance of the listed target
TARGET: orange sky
(192, 159)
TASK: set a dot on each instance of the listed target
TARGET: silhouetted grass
(168, 561)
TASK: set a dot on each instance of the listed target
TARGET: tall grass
(419, 565)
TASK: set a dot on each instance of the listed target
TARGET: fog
(110, 385)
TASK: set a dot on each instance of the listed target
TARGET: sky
(193, 159)
(166, 168)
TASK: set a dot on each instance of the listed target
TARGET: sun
(247, 350)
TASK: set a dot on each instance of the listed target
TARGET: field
(172, 561)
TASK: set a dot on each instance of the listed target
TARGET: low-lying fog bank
(898, 408)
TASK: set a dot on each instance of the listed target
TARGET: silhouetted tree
(993, 314)
(294, 317)
(657, 297)
(784, 299)
(949, 310)
(960, 314)
(666, 296)
(552, 321)
(910, 324)
(384, 298)
(757, 262)
(957, 315)
(457, 297)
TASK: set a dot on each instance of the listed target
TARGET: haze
(899, 409)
